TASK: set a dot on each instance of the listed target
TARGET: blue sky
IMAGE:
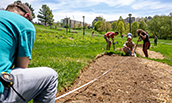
(108, 9)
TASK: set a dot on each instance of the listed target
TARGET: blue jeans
(39, 84)
(130, 52)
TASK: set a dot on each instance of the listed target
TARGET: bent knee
(50, 71)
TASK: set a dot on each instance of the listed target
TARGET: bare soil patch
(136, 80)
(151, 54)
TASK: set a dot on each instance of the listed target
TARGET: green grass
(165, 48)
(68, 53)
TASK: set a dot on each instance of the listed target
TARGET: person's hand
(129, 49)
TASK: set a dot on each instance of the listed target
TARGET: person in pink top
(107, 37)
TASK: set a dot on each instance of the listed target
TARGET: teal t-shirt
(17, 35)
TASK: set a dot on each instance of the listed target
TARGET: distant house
(127, 19)
(71, 23)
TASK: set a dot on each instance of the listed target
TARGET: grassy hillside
(68, 53)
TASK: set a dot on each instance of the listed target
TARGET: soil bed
(136, 80)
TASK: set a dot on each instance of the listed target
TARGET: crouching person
(20, 83)
(129, 46)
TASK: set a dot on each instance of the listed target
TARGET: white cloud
(151, 5)
(5, 3)
(89, 16)
(77, 8)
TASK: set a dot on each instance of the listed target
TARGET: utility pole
(83, 26)
(130, 21)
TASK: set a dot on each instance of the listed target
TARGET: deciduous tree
(114, 25)
(134, 27)
(142, 25)
(120, 27)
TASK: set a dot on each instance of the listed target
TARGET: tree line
(159, 25)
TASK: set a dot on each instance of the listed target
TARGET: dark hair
(139, 33)
(116, 32)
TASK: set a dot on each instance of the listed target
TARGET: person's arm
(140, 39)
(113, 43)
(144, 37)
(125, 46)
(133, 48)
(22, 62)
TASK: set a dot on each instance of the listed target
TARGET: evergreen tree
(45, 15)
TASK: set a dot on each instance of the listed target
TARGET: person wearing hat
(129, 46)
(17, 36)
(146, 42)
(107, 37)
(129, 34)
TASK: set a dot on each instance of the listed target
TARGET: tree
(79, 26)
(142, 25)
(18, 1)
(85, 25)
(161, 26)
(127, 28)
(97, 25)
(45, 15)
(108, 26)
(134, 27)
(149, 18)
(114, 25)
(102, 26)
(120, 27)
(29, 5)
(94, 23)
(59, 23)
(121, 19)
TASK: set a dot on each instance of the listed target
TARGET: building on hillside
(71, 23)
(127, 19)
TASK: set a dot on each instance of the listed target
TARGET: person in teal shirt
(17, 36)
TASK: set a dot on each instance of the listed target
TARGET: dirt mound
(135, 80)
(152, 54)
